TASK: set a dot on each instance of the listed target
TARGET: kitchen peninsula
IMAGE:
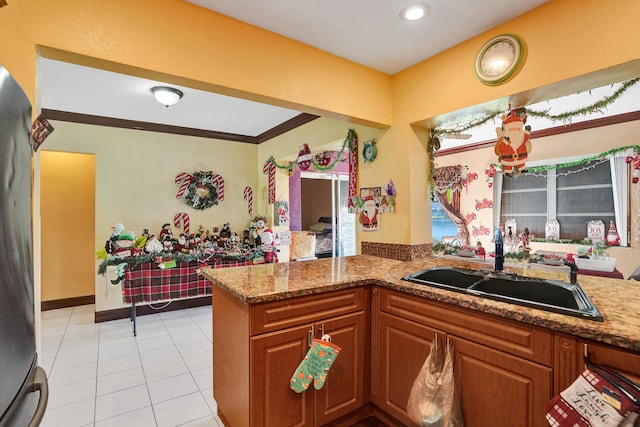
(263, 316)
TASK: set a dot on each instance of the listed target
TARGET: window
(441, 225)
(574, 194)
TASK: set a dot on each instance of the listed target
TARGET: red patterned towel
(591, 401)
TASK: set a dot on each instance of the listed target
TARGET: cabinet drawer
(273, 316)
(626, 362)
(518, 339)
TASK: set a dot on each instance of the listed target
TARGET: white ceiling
(369, 32)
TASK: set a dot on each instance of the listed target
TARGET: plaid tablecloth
(147, 282)
(615, 274)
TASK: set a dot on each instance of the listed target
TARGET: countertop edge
(602, 332)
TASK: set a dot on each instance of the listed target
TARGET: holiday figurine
(634, 161)
(613, 239)
(390, 188)
(225, 233)
(490, 171)
(266, 240)
(513, 145)
(153, 245)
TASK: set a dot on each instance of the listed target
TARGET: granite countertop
(617, 300)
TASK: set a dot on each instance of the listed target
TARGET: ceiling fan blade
(456, 135)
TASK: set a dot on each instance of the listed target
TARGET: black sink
(549, 295)
(446, 277)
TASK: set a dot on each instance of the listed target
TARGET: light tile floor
(101, 375)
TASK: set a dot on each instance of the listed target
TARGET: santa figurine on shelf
(267, 241)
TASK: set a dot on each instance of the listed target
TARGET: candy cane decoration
(248, 197)
(219, 182)
(182, 218)
(269, 169)
(183, 179)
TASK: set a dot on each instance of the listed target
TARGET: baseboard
(67, 302)
(142, 310)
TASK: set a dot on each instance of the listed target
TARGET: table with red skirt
(148, 283)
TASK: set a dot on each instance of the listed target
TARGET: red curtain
(448, 179)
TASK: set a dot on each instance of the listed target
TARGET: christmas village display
(256, 242)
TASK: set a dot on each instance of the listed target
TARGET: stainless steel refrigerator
(23, 388)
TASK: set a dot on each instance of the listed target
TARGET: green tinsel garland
(600, 156)
(351, 134)
(435, 134)
(135, 261)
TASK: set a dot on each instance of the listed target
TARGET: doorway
(67, 209)
(324, 198)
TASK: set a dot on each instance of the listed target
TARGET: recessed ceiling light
(414, 12)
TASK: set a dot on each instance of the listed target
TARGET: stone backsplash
(397, 251)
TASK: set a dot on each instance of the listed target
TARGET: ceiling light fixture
(166, 96)
(414, 11)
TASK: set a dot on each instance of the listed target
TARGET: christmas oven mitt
(315, 366)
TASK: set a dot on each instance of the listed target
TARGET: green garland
(351, 135)
(435, 134)
(134, 261)
(602, 155)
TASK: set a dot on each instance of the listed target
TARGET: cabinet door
(403, 348)
(343, 391)
(274, 359)
(497, 389)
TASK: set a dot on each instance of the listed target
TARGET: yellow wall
(565, 39)
(67, 220)
(197, 47)
(135, 172)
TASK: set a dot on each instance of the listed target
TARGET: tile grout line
(146, 381)
(188, 368)
(64, 332)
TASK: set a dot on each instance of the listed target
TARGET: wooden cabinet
(278, 354)
(502, 368)
(276, 357)
(506, 371)
(252, 372)
(403, 348)
(498, 389)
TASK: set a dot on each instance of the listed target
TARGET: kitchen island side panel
(231, 358)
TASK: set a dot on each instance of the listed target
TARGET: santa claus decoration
(513, 145)
(369, 214)
(613, 238)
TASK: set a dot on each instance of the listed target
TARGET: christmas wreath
(201, 192)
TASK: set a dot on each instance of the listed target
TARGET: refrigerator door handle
(39, 384)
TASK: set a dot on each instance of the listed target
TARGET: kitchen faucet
(499, 251)
(573, 274)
